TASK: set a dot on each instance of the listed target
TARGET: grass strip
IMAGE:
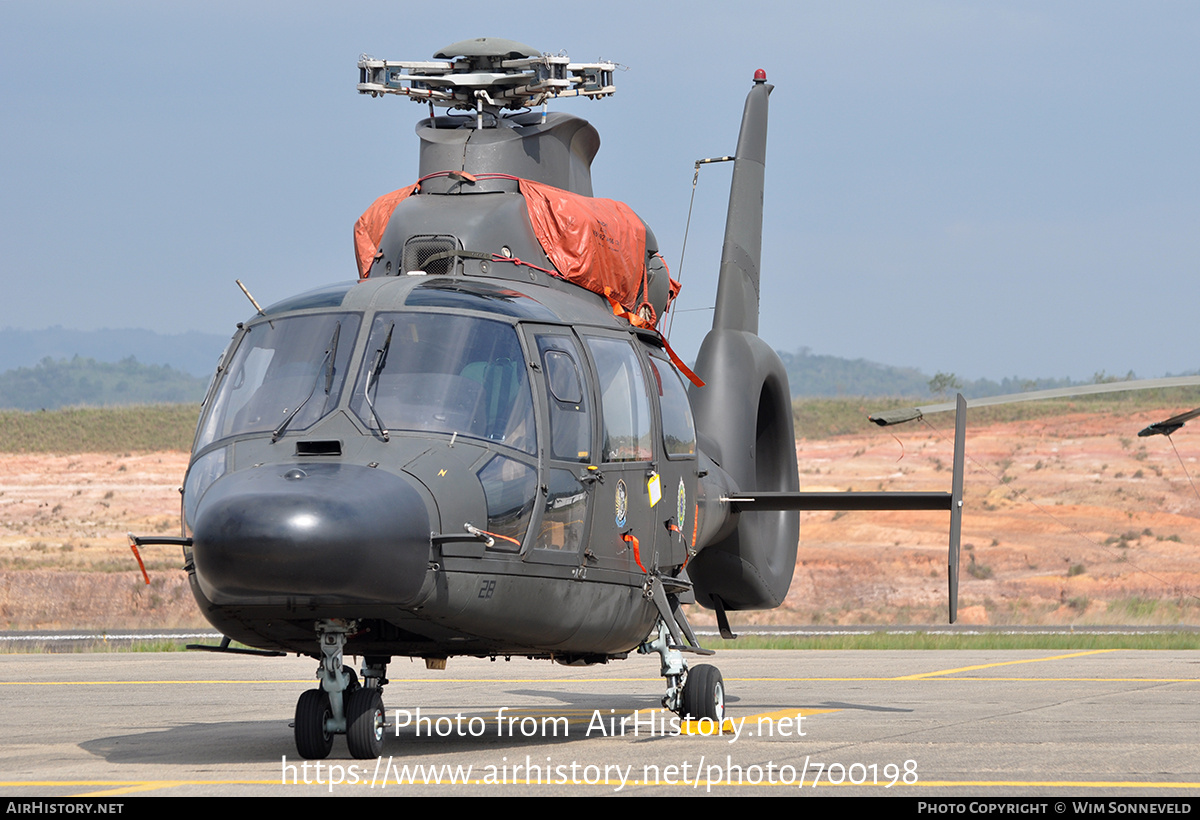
(142, 428)
(928, 640)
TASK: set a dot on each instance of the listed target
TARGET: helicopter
(483, 445)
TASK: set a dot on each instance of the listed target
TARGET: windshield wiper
(332, 357)
(326, 366)
(373, 376)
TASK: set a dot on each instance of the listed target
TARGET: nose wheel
(365, 723)
(314, 738)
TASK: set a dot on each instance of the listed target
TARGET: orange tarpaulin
(369, 228)
(599, 244)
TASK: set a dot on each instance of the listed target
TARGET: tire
(365, 723)
(313, 741)
(704, 694)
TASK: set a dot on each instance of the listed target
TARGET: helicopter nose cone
(311, 533)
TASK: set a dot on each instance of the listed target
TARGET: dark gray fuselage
(331, 520)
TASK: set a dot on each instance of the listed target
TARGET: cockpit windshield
(449, 374)
(286, 374)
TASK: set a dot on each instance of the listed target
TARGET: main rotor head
(486, 74)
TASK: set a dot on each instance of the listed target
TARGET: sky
(985, 189)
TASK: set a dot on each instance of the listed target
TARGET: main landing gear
(342, 705)
(695, 693)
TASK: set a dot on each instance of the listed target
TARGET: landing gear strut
(696, 693)
(672, 667)
(341, 706)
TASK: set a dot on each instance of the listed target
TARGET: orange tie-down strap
(631, 539)
(637, 321)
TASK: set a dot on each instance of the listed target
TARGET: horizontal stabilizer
(841, 501)
(878, 501)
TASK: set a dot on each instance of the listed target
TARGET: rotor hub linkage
(486, 75)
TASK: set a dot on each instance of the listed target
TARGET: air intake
(419, 249)
(319, 448)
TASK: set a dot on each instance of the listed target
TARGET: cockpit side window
(570, 416)
(510, 487)
(285, 372)
(449, 374)
(625, 407)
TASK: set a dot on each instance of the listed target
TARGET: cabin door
(566, 419)
(624, 530)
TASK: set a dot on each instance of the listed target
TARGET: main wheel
(313, 740)
(364, 723)
(704, 694)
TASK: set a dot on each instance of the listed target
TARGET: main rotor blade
(889, 417)
(1169, 426)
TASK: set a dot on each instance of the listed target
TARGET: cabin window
(679, 430)
(625, 406)
(437, 373)
(562, 374)
(284, 370)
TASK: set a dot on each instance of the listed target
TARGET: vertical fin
(744, 415)
(956, 495)
(737, 290)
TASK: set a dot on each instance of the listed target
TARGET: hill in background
(194, 353)
(816, 375)
(71, 382)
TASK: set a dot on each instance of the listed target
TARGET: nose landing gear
(341, 705)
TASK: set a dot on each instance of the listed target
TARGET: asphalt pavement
(926, 724)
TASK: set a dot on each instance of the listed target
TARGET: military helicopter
(483, 446)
